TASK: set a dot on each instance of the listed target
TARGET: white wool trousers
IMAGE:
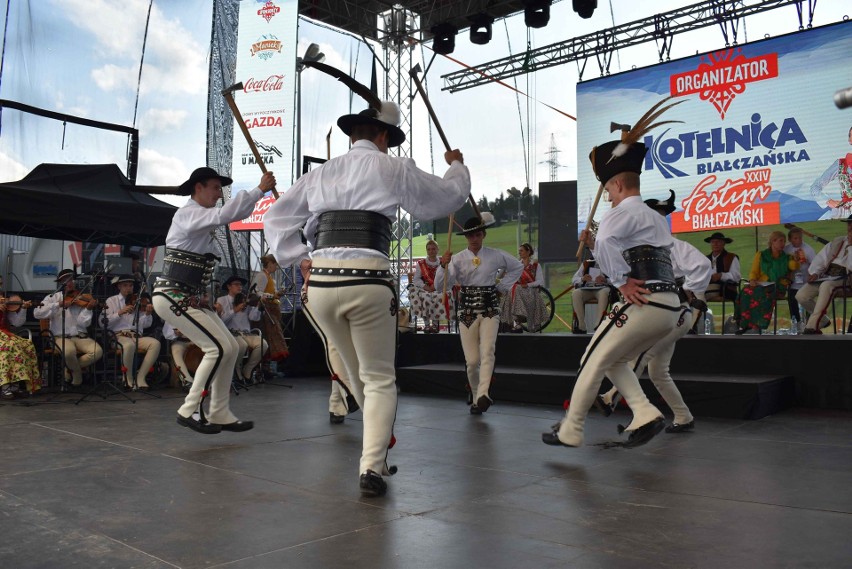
(206, 330)
(479, 341)
(358, 317)
(626, 332)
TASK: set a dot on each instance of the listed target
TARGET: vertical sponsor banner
(266, 66)
(759, 141)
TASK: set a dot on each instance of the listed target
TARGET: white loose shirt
(77, 318)
(692, 265)
(118, 322)
(193, 225)
(363, 179)
(838, 252)
(491, 264)
(630, 224)
(238, 321)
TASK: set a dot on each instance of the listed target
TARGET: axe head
(232, 88)
(614, 126)
(415, 70)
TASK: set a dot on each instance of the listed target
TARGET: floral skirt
(756, 305)
(429, 305)
(525, 308)
(18, 361)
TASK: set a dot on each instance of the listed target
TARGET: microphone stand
(102, 326)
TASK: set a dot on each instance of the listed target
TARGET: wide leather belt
(835, 270)
(478, 298)
(186, 271)
(648, 263)
(662, 287)
(351, 272)
(361, 229)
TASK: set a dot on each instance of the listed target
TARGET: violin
(14, 303)
(77, 298)
(241, 298)
(133, 298)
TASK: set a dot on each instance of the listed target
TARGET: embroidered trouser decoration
(206, 330)
(357, 316)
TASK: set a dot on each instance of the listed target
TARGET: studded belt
(374, 273)
(661, 287)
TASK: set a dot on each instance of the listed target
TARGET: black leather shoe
(552, 439)
(197, 426)
(237, 426)
(372, 485)
(603, 406)
(474, 410)
(335, 419)
(484, 403)
(678, 428)
(645, 433)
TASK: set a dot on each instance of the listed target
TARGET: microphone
(843, 98)
(109, 268)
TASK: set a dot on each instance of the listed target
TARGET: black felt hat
(614, 157)
(201, 175)
(123, 279)
(232, 279)
(65, 274)
(388, 119)
(474, 224)
(663, 206)
(847, 220)
(718, 235)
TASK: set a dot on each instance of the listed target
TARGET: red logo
(268, 11)
(271, 83)
(255, 220)
(722, 76)
(734, 203)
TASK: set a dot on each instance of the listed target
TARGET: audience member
(589, 284)
(769, 278)
(804, 254)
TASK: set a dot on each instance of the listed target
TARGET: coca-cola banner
(266, 66)
(759, 142)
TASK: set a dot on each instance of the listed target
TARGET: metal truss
(601, 45)
(397, 25)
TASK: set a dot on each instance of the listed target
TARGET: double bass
(270, 325)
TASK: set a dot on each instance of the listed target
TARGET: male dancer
(187, 269)
(693, 271)
(349, 204)
(632, 248)
(72, 339)
(120, 316)
(476, 270)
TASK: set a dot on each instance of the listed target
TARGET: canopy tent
(83, 202)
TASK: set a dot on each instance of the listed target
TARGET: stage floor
(114, 485)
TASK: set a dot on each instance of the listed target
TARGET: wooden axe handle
(589, 221)
(236, 112)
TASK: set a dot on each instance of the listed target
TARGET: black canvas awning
(83, 202)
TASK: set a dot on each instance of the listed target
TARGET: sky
(82, 57)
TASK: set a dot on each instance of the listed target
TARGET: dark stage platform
(114, 485)
(739, 377)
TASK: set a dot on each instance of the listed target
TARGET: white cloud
(162, 120)
(156, 169)
(11, 169)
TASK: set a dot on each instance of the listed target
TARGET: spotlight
(585, 8)
(480, 28)
(444, 41)
(536, 13)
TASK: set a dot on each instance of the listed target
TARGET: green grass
(746, 242)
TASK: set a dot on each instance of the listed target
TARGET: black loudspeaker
(557, 238)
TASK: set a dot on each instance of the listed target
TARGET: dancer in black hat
(350, 295)
(632, 247)
(476, 270)
(187, 269)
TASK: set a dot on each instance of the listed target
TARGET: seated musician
(19, 374)
(70, 314)
(236, 313)
(828, 271)
(127, 316)
(178, 344)
(589, 284)
(726, 270)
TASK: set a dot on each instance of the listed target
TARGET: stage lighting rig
(444, 41)
(585, 8)
(536, 13)
(480, 28)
